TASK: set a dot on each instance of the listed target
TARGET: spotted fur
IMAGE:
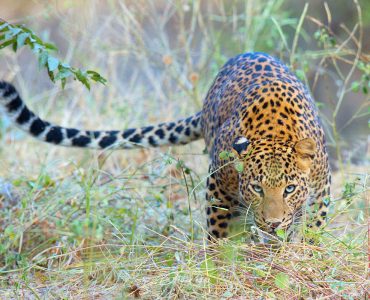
(257, 109)
(171, 133)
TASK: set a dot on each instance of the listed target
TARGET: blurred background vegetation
(160, 57)
(164, 54)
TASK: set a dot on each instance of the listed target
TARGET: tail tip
(6, 88)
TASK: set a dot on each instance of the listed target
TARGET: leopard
(259, 113)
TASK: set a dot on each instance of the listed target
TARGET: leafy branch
(17, 36)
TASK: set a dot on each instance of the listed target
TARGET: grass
(93, 235)
(116, 225)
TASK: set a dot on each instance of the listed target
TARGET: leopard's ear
(240, 144)
(305, 150)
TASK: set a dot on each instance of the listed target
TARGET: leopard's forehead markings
(269, 148)
(271, 161)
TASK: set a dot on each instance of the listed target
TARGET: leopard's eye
(257, 188)
(290, 189)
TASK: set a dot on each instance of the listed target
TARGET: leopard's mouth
(267, 234)
(273, 230)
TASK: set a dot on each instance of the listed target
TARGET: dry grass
(82, 224)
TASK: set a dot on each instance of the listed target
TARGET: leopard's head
(275, 179)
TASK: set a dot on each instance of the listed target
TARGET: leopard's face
(275, 181)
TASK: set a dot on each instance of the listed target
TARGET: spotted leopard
(256, 109)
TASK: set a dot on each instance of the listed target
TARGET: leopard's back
(260, 111)
(252, 88)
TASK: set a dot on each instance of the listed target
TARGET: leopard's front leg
(319, 208)
(219, 208)
(319, 212)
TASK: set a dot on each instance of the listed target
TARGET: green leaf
(81, 76)
(355, 87)
(85, 82)
(63, 73)
(326, 201)
(300, 74)
(96, 76)
(90, 72)
(14, 46)
(239, 166)
(65, 65)
(5, 44)
(13, 31)
(53, 63)
(21, 38)
(3, 26)
(320, 104)
(43, 58)
(225, 155)
(282, 281)
(281, 233)
(37, 48)
(51, 76)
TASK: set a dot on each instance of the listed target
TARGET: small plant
(17, 36)
(364, 83)
(324, 38)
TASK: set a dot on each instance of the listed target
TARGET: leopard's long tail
(170, 133)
